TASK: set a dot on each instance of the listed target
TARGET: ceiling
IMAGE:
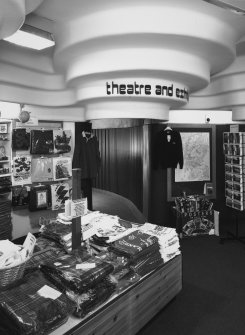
(179, 45)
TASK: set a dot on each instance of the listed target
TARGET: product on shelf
(234, 150)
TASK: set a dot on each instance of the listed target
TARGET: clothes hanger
(168, 128)
(87, 134)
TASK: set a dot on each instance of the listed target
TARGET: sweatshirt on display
(167, 149)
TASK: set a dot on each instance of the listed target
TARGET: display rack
(5, 158)
(234, 151)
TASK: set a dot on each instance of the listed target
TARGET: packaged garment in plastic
(20, 196)
(77, 273)
(135, 245)
(62, 167)
(20, 139)
(92, 298)
(60, 232)
(42, 142)
(41, 169)
(34, 306)
(22, 170)
(62, 141)
(59, 194)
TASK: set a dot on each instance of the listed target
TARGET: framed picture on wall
(197, 160)
(3, 128)
(42, 199)
(198, 143)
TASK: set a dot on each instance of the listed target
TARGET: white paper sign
(85, 266)
(49, 292)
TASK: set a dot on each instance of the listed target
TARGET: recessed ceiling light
(31, 37)
(227, 6)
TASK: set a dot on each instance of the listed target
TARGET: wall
(160, 208)
(121, 170)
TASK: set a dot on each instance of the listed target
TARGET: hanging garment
(59, 194)
(87, 155)
(42, 142)
(41, 169)
(62, 168)
(22, 170)
(167, 149)
(20, 139)
(62, 141)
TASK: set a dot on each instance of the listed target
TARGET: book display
(234, 151)
(5, 157)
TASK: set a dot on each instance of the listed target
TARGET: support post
(76, 222)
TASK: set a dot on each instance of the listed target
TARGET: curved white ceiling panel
(121, 59)
(12, 16)
(226, 89)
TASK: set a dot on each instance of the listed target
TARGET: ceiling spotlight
(227, 6)
(31, 37)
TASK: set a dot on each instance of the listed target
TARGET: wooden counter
(127, 313)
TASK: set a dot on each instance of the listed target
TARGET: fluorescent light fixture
(31, 37)
(227, 6)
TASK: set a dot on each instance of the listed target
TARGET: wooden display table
(128, 312)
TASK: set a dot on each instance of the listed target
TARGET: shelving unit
(234, 150)
(6, 127)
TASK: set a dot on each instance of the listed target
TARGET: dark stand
(233, 236)
(85, 183)
(76, 222)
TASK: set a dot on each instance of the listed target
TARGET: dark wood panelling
(121, 156)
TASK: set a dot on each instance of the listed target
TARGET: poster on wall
(196, 152)
(62, 168)
(62, 141)
(59, 194)
(41, 169)
(22, 170)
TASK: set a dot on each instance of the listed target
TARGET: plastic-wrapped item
(62, 141)
(34, 306)
(135, 245)
(42, 142)
(118, 262)
(41, 169)
(129, 279)
(59, 232)
(77, 273)
(147, 263)
(20, 139)
(92, 298)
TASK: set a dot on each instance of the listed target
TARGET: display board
(199, 144)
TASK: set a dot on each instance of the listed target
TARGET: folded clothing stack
(59, 232)
(92, 298)
(167, 238)
(108, 229)
(6, 226)
(141, 249)
(34, 306)
(85, 279)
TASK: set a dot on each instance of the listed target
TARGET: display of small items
(234, 150)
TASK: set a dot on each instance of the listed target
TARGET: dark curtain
(121, 156)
